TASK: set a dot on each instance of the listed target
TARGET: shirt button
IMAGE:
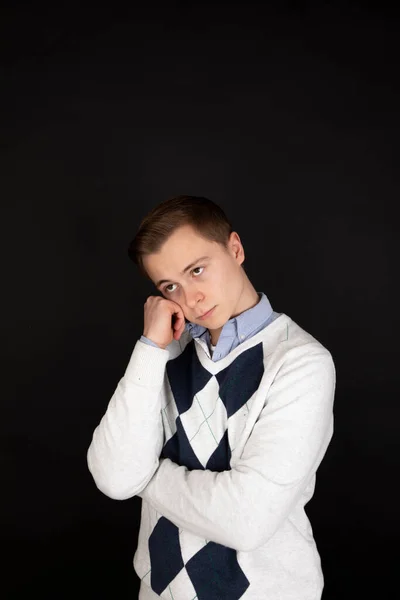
(242, 336)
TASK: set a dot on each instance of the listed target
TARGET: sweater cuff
(146, 365)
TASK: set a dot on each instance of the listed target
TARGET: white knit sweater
(224, 456)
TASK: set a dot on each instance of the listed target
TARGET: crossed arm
(243, 507)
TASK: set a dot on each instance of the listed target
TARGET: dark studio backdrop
(287, 115)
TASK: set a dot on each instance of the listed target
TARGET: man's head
(172, 237)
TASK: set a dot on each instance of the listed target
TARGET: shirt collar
(243, 324)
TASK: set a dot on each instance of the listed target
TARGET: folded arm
(242, 508)
(126, 445)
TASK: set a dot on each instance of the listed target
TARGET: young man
(219, 422)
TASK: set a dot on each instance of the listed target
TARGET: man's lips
(207, 314)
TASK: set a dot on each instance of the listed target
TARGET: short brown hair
(206, 217)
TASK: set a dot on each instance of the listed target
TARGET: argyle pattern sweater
(224, 456)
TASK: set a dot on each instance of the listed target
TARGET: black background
(285, 114)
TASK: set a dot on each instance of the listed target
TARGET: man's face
(216, 281)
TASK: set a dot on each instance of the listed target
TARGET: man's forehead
(177, 251)
(177, 255)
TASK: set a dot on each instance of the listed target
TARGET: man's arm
(242, 508)
(126, 445)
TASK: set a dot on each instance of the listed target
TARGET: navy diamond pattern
(179, 450)
(165, 554)
(234, 388)
(215, 573)
(213, 570)
(221, 458)
(187, 376)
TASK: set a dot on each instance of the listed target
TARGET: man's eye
(167, 291)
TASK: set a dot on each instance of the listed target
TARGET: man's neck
(214, 337)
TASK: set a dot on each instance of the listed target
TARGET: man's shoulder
(299, 342)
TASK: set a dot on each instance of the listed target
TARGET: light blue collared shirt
(234, 332)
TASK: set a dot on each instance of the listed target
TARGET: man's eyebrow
(184, 270)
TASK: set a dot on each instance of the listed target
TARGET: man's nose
(192, 297)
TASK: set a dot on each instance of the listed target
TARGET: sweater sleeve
(126, 445)
(243, 507)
